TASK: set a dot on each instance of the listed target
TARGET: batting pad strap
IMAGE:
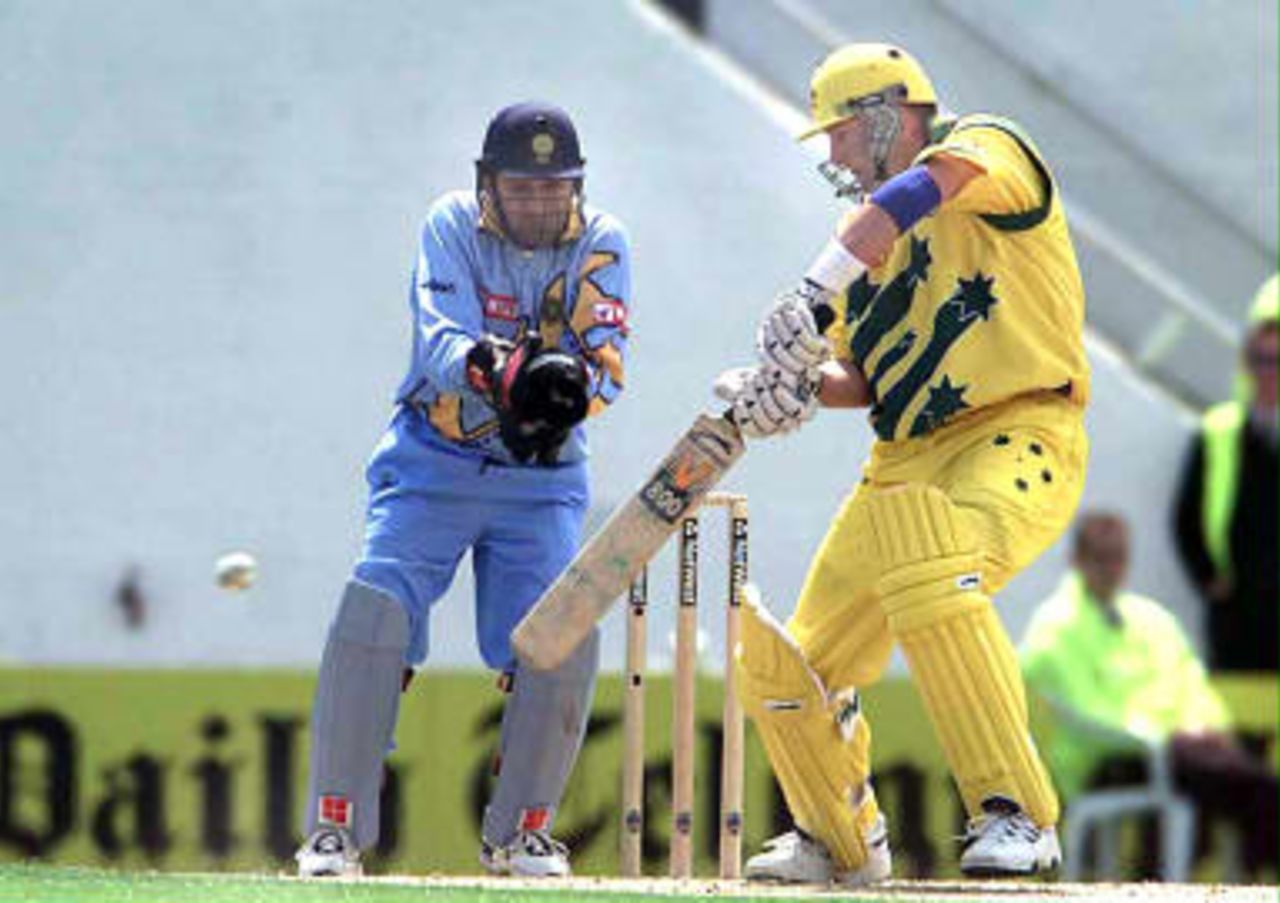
(818, 743)
(908, 197)
(921, 593)
(835, 268)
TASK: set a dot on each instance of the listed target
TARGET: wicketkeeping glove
(539, 393)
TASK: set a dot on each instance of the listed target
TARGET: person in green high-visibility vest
(1120, 675)
(1227, 506)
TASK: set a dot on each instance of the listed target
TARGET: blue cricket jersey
(469, 281)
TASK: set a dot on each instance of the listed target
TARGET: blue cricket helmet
(532, 139)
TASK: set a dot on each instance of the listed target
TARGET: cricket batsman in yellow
(958, 312)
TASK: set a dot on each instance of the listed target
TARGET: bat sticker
(678, 482)
(719, 447)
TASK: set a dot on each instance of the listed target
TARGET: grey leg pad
(542, 731)
(356, 703)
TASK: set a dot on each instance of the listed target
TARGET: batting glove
(767, 402)
(788, 337)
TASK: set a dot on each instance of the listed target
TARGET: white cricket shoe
(530, 854)
(794, 857)
(1004, 842)
(329, 853)
(798, 858)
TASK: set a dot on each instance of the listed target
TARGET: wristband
(908, 197)
(835, 268)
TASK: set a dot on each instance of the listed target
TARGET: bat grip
(823, 315)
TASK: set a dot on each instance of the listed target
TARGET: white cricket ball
(235, 571)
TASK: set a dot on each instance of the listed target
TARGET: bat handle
(823, 315)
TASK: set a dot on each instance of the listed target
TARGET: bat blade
(629, 539)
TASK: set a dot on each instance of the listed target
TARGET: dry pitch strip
(893, 891)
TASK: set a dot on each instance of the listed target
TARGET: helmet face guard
(532, 212)
(844, 180)
(884, 117)
(529, 176)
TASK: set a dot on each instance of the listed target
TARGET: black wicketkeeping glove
(540, 394)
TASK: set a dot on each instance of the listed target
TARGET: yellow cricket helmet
(860, 74)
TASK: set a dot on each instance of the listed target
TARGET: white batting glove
(766, 402)
(788, 337)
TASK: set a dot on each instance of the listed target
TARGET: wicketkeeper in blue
(519, 305)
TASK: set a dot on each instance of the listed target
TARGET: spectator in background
(1120, 669)
(1227, 507)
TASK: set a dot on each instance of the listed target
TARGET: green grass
(58, 884)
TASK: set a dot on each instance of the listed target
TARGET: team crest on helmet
(543, 147)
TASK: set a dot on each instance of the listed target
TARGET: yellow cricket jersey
(976, 304)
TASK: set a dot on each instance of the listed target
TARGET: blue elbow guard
(908, 197)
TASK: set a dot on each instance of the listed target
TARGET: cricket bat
(629, 539)
(633, 534)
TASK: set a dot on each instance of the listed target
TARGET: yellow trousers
(938, 525)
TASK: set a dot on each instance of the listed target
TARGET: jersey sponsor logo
(969, 582)
(501, 307)
(439, 287)
(610, 312)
